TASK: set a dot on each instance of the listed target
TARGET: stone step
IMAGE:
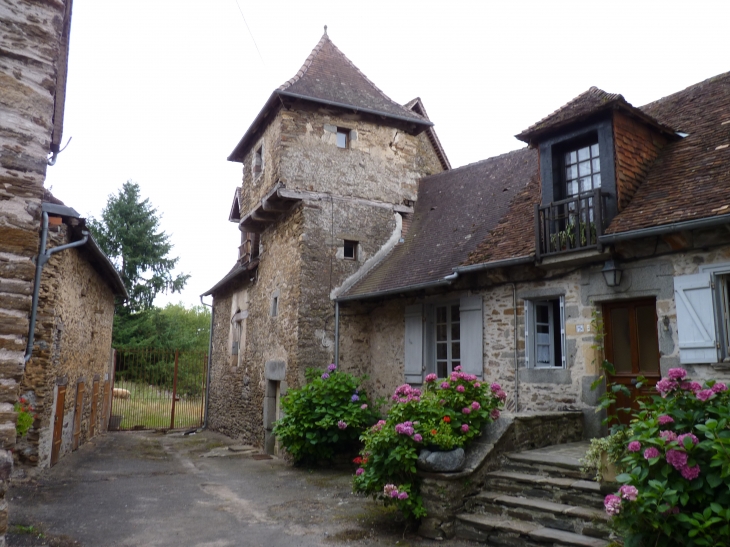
(576, 519)
(496, 530)
(558, 489)
(524, 462)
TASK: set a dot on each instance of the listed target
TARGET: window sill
(545, 376)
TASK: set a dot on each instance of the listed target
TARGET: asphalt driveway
(151, 489)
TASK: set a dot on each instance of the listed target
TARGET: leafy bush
(448, 414)
(324, 417)
(676, 484)
(26, 416)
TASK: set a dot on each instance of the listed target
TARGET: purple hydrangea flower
(403, 496)
(460, 389)
(390, 488)
(406, 428)
(681, 438)
(457, 368)
(394, 494)
(475, 405)
(628, 492)
(417, 437)
(359, 471)
(325, 376)
(431, 378)
(466, 410)
(465, 427)
(677, 373)
(665, 385)
(332, 367)
(664, 419)
(355, 398)
(668, 436)
(704, 394)
(651, 452)
(445, 385)
(495, 387)
(691, 473)
(719, 387)
(494, 414)
(677, 459)
(342, 425)
(612, 504)
(634, 446)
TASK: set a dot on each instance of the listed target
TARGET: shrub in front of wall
(26, 416)
(449, 413)
(324, 417)
(676, 484)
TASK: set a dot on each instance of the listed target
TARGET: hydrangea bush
(324, 417)
(676, 480)
(448, 413)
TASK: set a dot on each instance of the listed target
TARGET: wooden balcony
(569, 225)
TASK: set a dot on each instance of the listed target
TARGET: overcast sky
(160, 91)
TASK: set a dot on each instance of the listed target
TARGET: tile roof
(454, 212)
(329, 76)
(417, 106)
(691, 177)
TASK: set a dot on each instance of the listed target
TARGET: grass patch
(150, 407)
(28, 530)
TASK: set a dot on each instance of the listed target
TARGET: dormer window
(582, 170)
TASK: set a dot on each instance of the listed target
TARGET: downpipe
(43, 257)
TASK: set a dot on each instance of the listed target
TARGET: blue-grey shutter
(528, 338)
(564, 364)
(414, 344)
(695, 318)
(471, 335)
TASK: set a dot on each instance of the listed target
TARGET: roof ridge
(711, 79)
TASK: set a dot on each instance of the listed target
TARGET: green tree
(173, 327)
(130, 235)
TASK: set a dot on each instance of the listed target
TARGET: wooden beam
(259, 215)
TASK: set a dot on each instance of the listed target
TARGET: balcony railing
(568, 225)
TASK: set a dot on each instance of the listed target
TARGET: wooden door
(94, 405)
(58, 424)
(78, 411)
(632, 346)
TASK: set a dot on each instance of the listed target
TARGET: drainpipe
(337, 333)
(43, 257)
(517, 370)
(210, 363)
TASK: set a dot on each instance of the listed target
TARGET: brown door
(58, 424)
(78, 411)
(94, 404)
(632, 347)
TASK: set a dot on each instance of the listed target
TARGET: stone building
(330, 174)
(611, 212)
(33, 59)
(68, 379)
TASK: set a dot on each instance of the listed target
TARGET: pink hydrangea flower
(494, 414)
(457, 368)
(704, 394)
(651, 452)
(460, 389)
(475, 405)
(665, 385)
(332, 367)
(359, 471)
(417, 437)
(363, 406)
(342, 425)
(677, 459)
(431, 378)
(691, 386)
(691, 473)
(719, 387)
(668, 436)
(477, 384)
(501, 395)
(495, 387)
(628, 492)
(394, 494)
(378, 426)
(664, 419)
(406, 428)
(634, 446)
(388, 489)
(681, 438)
(466, 410)
(612, 503)
(677, 373)
(465, 427)
(445, 385)
(325, 376)
(403, 496)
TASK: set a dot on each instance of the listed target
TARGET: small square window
(350, 250)
(258, 160)
(343, 137)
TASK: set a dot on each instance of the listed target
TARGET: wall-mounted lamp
(611, 273)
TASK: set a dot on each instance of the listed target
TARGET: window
(703, 314)
(448, 339)
(258, 160)
(274, 310)
(582, 170)
(349, 250)
(442, 336)
(343, 137)
(545, 333)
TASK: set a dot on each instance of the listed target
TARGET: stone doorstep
(533, 531)
(526, 457)
(544, 505)
(581, 484)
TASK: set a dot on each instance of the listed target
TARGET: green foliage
(26, 416)
(614, 446)
(172, 327)
(448, 414)
(324, 417)
(129, 234)
(677, 459)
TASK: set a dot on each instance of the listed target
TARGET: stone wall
(73, 344)
(30, 43)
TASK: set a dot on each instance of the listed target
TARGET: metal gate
(158, 389)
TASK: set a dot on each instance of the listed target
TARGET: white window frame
(531, 333)
(449, 361)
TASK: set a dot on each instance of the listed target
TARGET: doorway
(632, 346)
(58, 423)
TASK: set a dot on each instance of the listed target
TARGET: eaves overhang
(275, 204)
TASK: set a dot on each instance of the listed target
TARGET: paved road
(150, 489)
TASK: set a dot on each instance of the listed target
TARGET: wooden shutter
(414, 344)
(472, 328)
(58, 424)
(78, 412)
(695, 318)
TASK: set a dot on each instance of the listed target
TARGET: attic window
(582, 170)
(343, 137)
(258, 160)
(349, 251)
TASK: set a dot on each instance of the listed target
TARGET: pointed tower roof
(584, 106)
(328, 77)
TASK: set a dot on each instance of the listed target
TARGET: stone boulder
(441, 462)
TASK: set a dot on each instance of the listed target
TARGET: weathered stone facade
(278, 315)
(33, 55)
(73, 347)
